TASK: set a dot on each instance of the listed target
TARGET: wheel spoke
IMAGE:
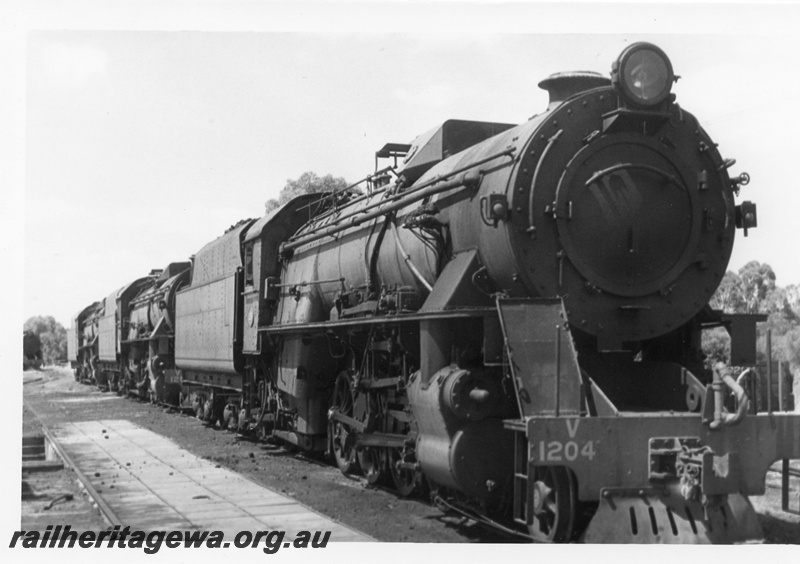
(343, 450)
(404, 480)
(555, 505)
(371, 463)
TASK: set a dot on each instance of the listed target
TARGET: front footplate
(653, 516)
(663, 478)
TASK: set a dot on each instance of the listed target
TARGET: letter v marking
(572, 430)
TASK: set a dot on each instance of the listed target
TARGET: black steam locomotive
(509, 320)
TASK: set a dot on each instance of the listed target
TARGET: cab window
(248, 265)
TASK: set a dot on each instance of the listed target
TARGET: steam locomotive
(505, 317)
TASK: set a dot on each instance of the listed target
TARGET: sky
(143, 145)
(135, 132)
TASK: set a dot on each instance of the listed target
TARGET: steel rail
(104, 508)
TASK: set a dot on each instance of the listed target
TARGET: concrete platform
(147, 482)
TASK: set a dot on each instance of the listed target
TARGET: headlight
(643, 74)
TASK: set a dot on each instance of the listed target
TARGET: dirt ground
(52, 397)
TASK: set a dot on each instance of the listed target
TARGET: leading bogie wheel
(553, 504)
(405, 479)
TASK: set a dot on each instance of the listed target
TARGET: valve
(738, 181)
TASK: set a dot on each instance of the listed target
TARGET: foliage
(790, 347)
(757, 283)
(52, 335)
(716, 345)
(308, 183)
(792, 295)
(753, 290)
(729, 295)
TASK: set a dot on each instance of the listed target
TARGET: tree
(716, 345)
(758, 283)
(728, 296)
(52, 335)
(308, 183)
(789, 351)
(792, 293)
(751, 290)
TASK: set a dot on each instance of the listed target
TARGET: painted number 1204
(557, 451)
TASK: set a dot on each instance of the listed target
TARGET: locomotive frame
(512, 325)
